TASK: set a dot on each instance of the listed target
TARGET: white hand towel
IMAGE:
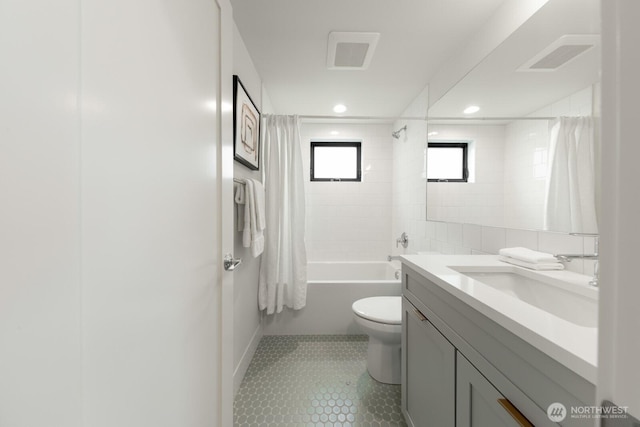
(248, 207)
(254, 217)
(527, 255)
(240, 200)
(531, 265)
(257, 218)
(258, 193)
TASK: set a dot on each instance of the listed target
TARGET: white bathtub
(341, 272)
(332, 289)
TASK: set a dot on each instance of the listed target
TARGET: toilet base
(384, 361)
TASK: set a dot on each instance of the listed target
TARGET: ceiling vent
(560, 52)
(350, 51)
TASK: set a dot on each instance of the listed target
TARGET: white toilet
(381, 319)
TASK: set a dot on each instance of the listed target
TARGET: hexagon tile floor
(314, 380)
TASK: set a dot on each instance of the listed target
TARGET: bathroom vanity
(488, 344)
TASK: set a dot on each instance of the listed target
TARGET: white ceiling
(287, 40)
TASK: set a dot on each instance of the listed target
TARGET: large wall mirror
(532, 148)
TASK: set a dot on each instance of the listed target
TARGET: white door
(156, 171)
(619, 347)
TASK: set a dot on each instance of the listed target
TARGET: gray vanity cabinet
(441, 388)
(428, 372)
(460, 369)
(479, 403)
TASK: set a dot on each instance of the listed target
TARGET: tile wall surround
(409, 212)
(350, 221)
(471, 239)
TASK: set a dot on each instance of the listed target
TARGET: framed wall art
(246, 127)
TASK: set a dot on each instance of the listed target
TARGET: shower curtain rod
(319, 117)
(312, 117)
(490, 118)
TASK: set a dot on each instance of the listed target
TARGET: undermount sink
(541, 291)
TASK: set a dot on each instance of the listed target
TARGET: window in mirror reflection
(447, 162)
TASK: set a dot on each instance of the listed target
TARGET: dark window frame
(358, 147)
(465, 158)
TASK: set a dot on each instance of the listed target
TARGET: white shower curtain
(283, 269)
(570, 202)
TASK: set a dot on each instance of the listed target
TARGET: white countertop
(572, 345)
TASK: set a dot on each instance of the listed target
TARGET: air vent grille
(350, 51)
(351, 54)
(560, 52)
(560, 56)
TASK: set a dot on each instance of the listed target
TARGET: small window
(447, 162)
(335, 161)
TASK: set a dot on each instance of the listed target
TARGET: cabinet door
(428, 372)
(479, 404)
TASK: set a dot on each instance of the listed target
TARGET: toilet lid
(380, 309)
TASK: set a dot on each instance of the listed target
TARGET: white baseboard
(245, 360)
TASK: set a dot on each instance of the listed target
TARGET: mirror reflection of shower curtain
(570, 192)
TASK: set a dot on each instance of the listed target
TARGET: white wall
(350, 221)
(40, 238)
(110, 311)
(247, 329)
(619, 348)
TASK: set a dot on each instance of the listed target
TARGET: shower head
(396, 134)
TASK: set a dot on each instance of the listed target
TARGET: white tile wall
(522, 238)
(409, 181)
(493, 239)
(350, 221)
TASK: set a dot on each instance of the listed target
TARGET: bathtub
(332, 289)
(341, 272)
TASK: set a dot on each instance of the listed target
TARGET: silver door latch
(230, 263)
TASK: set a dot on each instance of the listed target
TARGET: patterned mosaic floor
(318, 380)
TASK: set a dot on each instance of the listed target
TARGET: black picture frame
(246, 127)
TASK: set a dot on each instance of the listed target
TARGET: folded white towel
(527, 255)
(531, 265)
(254, 217)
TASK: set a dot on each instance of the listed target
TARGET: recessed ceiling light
(432, 133)
(335, 132)
(471, 109)
(339, 108)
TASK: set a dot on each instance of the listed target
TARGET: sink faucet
(593, 256)
(569, 257)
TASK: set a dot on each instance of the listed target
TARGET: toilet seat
(387, 310)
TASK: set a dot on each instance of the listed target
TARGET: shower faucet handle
(403, 240)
